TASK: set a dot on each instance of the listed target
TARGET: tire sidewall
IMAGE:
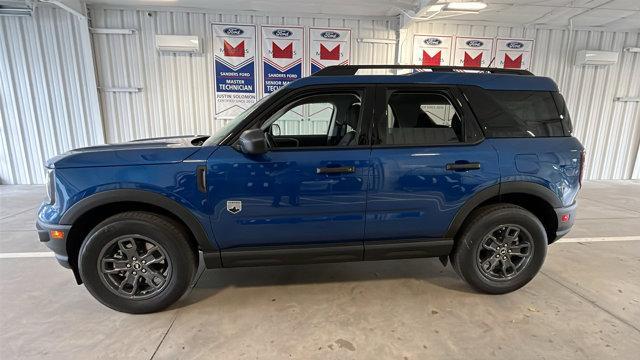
(165, 236)
(466, 261)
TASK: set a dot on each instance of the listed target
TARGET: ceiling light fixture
(465, 6)
(434, 11)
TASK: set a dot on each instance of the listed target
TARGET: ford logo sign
(474, 43)
(282, 33)
(329, 34)
(432, 41)
(515, 45)
(233, 31)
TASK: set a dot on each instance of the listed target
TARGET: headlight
(51, 186)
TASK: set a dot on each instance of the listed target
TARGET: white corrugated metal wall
(636, 168)
(177, 89)
(48, 103)
(609, 130)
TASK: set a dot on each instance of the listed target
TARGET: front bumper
(566, 217)
(58, 246)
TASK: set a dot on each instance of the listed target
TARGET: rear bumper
(565, 224)
(58, 246)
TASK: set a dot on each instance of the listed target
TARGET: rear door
(428, 158)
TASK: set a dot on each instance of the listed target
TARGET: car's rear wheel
(137, 262)
(501, 248)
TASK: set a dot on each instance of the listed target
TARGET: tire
(491, 235)
(164, 262)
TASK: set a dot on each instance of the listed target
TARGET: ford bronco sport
(478, 168)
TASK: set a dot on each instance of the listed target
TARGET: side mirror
(275, 130)
(253, 142)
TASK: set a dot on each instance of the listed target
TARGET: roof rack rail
(347, 70)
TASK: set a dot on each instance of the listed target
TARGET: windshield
(224, 131)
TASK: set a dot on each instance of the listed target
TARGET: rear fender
(494, 193)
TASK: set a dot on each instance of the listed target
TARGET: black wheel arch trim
(511, 187)
(525, 187)
(140, 196)
(470, 205)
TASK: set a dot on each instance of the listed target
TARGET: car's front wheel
(137, 262)
(501, 248)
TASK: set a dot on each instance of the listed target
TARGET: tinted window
(420, 119)
(515, 113)
(564, 113)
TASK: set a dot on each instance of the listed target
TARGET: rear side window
(503, 113)
(421, 119)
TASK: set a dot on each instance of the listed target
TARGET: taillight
(582, 159)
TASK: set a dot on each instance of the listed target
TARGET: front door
(427, 159)
(309, 189)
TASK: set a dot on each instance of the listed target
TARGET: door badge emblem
(234, 207)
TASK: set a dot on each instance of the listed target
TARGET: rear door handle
(463, 166)
(336, 170)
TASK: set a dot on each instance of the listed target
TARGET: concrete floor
(585, 304)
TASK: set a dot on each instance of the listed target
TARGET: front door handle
(463, 166)
(336, 170)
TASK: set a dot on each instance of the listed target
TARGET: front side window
(305, 119)
(420, 119)
(317, 120)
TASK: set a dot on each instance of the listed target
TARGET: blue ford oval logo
(282, 33)
(233, 31)
(432, 41)
(474, 43)
(329, 34)
(515, 45)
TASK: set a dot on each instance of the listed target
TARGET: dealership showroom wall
(76, 74)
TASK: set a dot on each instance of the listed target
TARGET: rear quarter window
(564, 113)
(507, 113)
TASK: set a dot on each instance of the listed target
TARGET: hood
(151, 151)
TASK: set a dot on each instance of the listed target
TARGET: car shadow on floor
(431, 271)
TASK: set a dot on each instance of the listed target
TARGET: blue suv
(475, 166)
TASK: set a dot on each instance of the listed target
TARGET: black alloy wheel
(134, 266)
(504, 252)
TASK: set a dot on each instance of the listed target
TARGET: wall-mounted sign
(234, 54)
(513, 53)
(432, 50)
(329, 47)
(473, 51)
(282, 56)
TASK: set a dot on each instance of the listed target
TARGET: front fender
(145, 197)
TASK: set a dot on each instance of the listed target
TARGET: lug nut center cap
(137, 266)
